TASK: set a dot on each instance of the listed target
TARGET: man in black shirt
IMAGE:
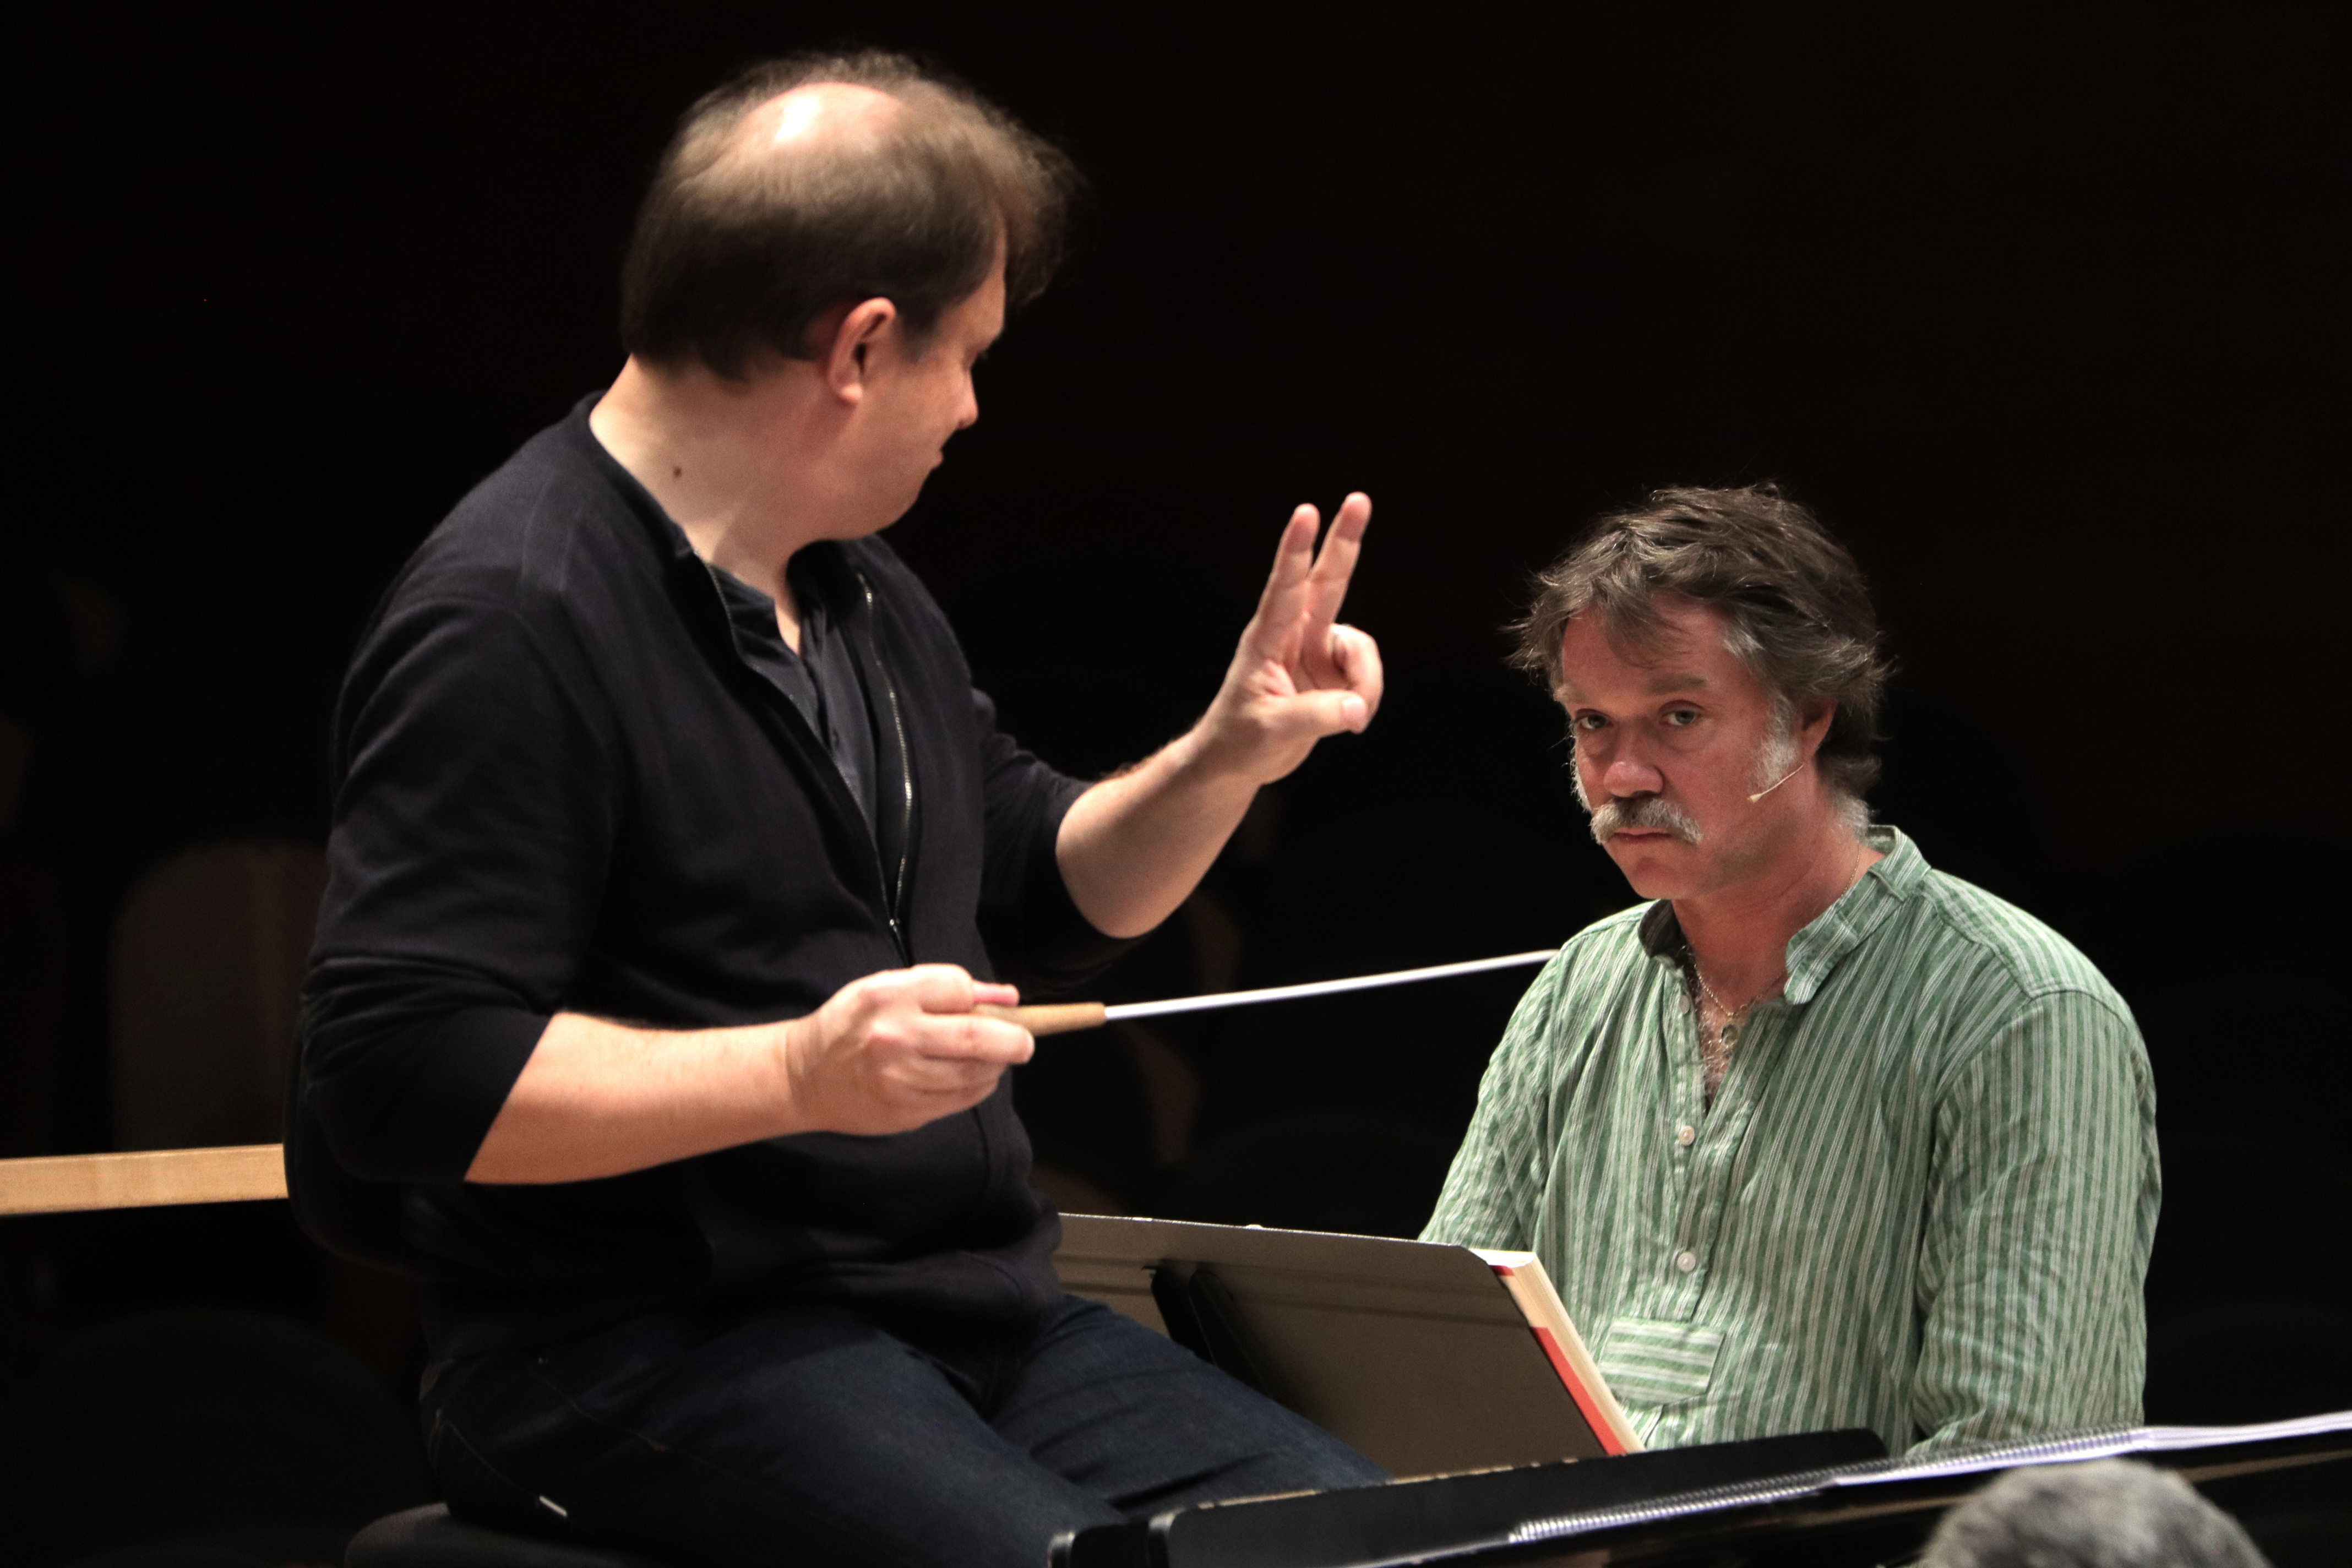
(672, 853)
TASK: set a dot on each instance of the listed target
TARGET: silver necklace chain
(1727, 1032)
(1715, 1045)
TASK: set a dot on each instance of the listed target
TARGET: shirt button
(1685, 1134)
(1685, 1261)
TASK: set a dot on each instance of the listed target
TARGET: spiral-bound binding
(2097, 1443)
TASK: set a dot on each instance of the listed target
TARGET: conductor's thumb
(1328, 712)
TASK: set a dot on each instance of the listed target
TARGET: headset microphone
(1776, 784)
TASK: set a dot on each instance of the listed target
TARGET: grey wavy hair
(1796, 609)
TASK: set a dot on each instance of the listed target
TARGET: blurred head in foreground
(2110, 1513)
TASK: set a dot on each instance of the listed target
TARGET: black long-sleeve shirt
(562, 783)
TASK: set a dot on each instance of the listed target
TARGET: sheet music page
(2110, 1443)
(2067, 1448)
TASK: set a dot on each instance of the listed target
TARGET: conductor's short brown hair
(1797, 610)
(734, 256)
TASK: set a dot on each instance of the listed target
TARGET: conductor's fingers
(1335, 563)
(1356, 659)
(948, 1076)
(934, 988)
(934, 1089)
(1287, 585)
(970, 1037)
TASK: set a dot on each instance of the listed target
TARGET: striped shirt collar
(1814, 952)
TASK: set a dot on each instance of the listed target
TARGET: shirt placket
(1706, 1141)
(1676, 1024)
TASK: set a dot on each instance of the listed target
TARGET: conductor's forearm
(1135, 845)
(600, 1098)
(885, 1053)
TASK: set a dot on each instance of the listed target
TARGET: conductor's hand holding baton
(892, 1051)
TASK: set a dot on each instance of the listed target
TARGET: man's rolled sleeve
(2039, 1219)
(1036, 934)
(1492, 1190)
(471, 827)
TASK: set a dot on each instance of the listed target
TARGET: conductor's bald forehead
(817, 111)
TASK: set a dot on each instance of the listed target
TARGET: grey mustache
(1648, 811)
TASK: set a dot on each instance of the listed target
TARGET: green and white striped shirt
(1922, 1201)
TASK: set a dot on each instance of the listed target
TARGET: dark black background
(2044, 310)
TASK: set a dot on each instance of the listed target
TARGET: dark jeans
(808, 1434)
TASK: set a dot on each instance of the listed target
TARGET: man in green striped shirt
(1820, 1137)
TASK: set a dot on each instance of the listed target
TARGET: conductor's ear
(843, 337)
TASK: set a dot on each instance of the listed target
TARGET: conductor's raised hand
(1298, 674)
(894, 1050)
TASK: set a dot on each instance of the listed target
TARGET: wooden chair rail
(63, 1183)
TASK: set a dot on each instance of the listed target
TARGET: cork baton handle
(1052, 1018)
